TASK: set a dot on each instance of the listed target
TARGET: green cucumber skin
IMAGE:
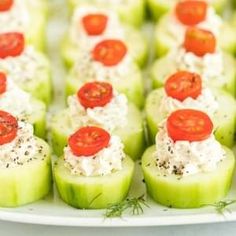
(158, 8)
(27, 183)
(136, 42)
(132, 135)
(224, 120)
(190, 191)
(160, 72)
(164, 42)
(133, 13)
(93, 192)
(131, 85)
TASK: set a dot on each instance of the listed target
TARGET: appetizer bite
(187, 168)
(159, 7)
(29, 69)
(171, 29)
(198, 54)
(97, 103)
(25, 174)
(184, 90)
(131, 12)
(108, 61)
(94, 171)
(27, 17)
(91, 25)
(22, 105)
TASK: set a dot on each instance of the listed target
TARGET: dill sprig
(134, 204)
(222, 206)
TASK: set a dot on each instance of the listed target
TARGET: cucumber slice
(158, 8)
(131, 85)
(27, 183)
(132, 135)
(164, 41)
(94, 192)
(131, 12)
(136, 43)
(190, 191)
(164, 67)
(224, 120)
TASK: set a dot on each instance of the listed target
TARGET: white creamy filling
(205, 102)
(210, 66)
(80, 37)
(213, 23)
(104, 162)
(16, 19)
(21, 150)
(187, 158)
(16, 101)
(113, 115)
(22, 68)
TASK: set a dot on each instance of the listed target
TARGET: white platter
(52, 211)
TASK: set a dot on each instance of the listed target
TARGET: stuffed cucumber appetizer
(94, 172)
(20, 104)
(131, 12)
(29, 69)
(96, 103)
(187, 168)
(27, 17)
(25, 175)
(171, 29)
(185, 90)
(159, 7)
(83, 31)
(108, 61)
(198, 54)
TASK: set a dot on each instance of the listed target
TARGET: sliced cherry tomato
(8, 127)
(191, 12)
(95, 94)
(183, 84)
(95, 24)
(5, 5)
(11, 44)
(199, 41)
(189, 125)
(3, 83)
(109, 52)
(88, 141)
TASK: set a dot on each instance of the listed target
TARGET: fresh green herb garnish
(221, 206)
(134, 204)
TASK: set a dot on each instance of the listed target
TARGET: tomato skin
(5, 5)
(189, 125)
(95, 24)
(11, 44)
(88, 141)
(109, 52)
(3, 83)
(191, 12)
(8, 127)
(95, 94)
(183, 84)
(199, 41)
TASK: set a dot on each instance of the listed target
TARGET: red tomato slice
(95, 94)
(189, 125)
(11, 44)
(183, 84)
(5, 5)
(3, 83)
(191, 12)
(95, 24)
(8, 127)
(88, 141)
(199, 41)
(109, 52)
